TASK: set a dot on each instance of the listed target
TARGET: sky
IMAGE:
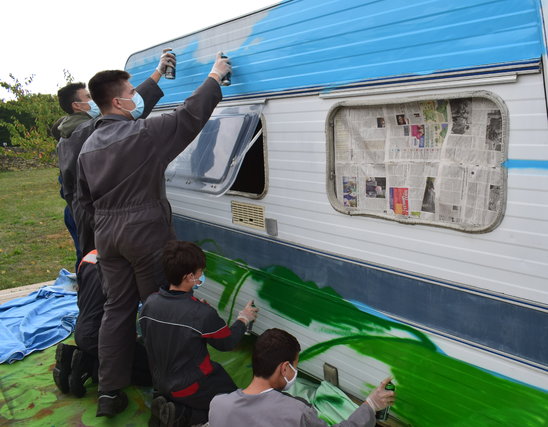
(46, 37)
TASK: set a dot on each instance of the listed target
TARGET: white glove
(167, 59)
(221, 67)
(380, 398)
(249, 313)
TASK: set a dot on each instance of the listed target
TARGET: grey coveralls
(273, 409)
(68, 150)
(121, 181)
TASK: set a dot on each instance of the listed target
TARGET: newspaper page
(434, 161)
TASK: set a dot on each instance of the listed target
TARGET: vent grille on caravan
(248, 215)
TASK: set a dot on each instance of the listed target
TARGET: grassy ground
(34, 243)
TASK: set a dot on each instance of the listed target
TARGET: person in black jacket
(74, 131)
(176, 328)
(76, 101)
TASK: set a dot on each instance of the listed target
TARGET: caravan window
(251, 178)
(212, 161)
(425, 161)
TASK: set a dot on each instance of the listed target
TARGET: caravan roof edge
(280, 3)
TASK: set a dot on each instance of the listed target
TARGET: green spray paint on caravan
(433, 388)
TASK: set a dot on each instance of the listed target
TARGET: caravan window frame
(256, 196)
(396, 195)
(216, 166)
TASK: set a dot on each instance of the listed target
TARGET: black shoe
(162, 413)
(110, 404)
(61, 370)
(81, 369)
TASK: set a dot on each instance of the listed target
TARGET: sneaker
(81, 369)
(110, 404)
(162, 413)
(61, 370)
(155, 407)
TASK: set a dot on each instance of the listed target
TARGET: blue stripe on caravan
(504, 325)
(310, 43)
(525, 164)
(374, 83)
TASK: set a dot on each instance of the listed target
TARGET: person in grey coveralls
(74, 131)
(121, 183)
(72, 140)
(263, 403)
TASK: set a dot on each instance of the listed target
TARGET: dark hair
(67, 95)
(106, 85)
(273, 347)
(181, 258)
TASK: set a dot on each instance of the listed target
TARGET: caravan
(376, 179)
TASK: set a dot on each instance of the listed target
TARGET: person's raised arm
(172, 132)
(149, 89)
(221, 68)
(166, 60)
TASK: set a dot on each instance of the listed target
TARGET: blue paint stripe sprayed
(525, 164)
(310, 43)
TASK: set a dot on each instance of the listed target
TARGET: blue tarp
(39, 320)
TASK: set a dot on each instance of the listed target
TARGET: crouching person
(263, 403)
(75, 364)
(177, 327)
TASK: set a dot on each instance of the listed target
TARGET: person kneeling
(262, 403)
(75, 364)
(177, 327)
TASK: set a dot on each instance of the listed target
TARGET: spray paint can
(170, 71)
(250, 324)
(382, 415)
(227, 79)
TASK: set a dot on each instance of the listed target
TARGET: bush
(30, 117)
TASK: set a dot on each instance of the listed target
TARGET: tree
(28, 119)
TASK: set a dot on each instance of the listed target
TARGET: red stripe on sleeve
(221, 333)
(188, 391)
(206, 367)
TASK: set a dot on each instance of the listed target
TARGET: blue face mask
(139, 105)
(93, 110)
(201, 279)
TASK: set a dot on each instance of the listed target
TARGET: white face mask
(290, 382)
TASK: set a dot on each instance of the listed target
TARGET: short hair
(67, 95)
(272, 347)
(106, 85)
(181, 258)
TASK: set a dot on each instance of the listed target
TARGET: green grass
(34, 242)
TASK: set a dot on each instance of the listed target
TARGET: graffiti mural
(433, 388)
